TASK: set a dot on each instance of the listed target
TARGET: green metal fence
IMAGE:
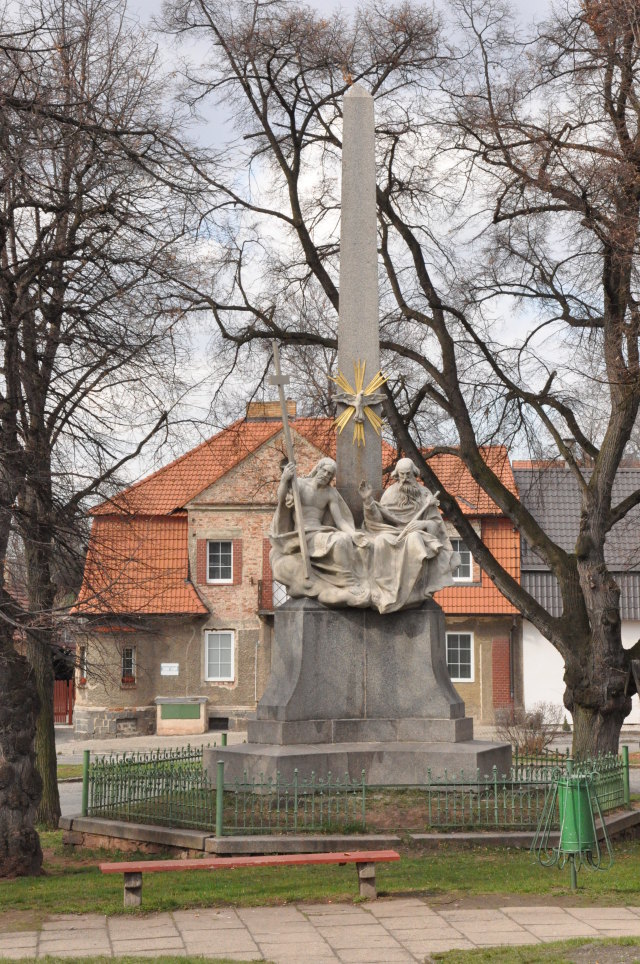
(170, 788)
(164, 787)
(297, 806)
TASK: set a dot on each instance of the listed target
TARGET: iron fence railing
(171, 788)
(164, 787)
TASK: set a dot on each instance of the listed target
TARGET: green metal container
(577, 829)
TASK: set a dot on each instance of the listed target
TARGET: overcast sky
(528, 8)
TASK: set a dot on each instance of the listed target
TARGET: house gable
(254, 481)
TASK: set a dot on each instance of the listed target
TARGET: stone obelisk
(358, 326)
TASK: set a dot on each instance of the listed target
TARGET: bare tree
(95, 207)
(507, 188)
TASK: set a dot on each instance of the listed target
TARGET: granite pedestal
(353, 690)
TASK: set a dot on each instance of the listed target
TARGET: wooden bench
(365, 861)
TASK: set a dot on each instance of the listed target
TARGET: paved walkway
(389, 930)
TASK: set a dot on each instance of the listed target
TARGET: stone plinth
(356, 664)
(353, 690)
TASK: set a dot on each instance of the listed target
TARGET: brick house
(177, 599)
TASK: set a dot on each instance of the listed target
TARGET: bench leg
(367, 880)
(132, 890)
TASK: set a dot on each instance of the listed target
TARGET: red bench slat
(270, 860)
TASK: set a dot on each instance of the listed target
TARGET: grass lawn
(69, 771)
(580, 951)
(72, 883)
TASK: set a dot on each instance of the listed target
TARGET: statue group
(400, 556)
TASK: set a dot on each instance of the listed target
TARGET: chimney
(269, 411)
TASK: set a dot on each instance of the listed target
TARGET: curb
(205, 842)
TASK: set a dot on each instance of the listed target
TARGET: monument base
(384, 764)
(353, 690)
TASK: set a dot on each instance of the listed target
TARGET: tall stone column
(358, 327)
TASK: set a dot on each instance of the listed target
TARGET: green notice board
(180, 711)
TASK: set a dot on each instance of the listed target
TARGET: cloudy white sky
(145, 9)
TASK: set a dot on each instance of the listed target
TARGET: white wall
(543, 668)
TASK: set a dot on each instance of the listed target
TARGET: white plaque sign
(169, 669)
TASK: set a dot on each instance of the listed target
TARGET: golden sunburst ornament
(358, 402)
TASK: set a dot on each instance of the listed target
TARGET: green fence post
(219, 796)
(495, 795)
(625, 775)
(85, 782)
(223, 739)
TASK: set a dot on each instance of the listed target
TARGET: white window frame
(472, 677)
(207, 675)
(279, 594)
(219, 582)
(457, 540)
(134, 669)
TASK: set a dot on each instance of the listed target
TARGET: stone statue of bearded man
(412, 553)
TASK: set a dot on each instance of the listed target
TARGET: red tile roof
(458, 481)
(138, 566)
(171, 487)
(500, 538)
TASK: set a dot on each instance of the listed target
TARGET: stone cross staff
(280, 381)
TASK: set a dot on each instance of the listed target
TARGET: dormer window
(464, 572)
(220, 561)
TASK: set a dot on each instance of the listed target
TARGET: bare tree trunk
(37, 536)
(40, 658)
(20, 852)
(596, 670)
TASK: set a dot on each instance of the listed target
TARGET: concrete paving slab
(503, 940)
(96, 945)
(343, 941)
(620, 929)
(219, 942)
(329, 958)
(17, 954)
(241, 956)
(343, 920)
(208, 917)
(472, 915)
(285, 935)
(73, 922)
(429, 947)
(561, 932)
(442, 931)
(355, 956)
(313, 910)
(493, 926)
(250, 914)
(143, 944)
(144, 933)
(405, 913)
(312, 951)
(175, 952)
(423, 922)
(593, 914)
(531, 915)
(73, 951)
(18, 938)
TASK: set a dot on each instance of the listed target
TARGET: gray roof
(552, 496)
(543, 586)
